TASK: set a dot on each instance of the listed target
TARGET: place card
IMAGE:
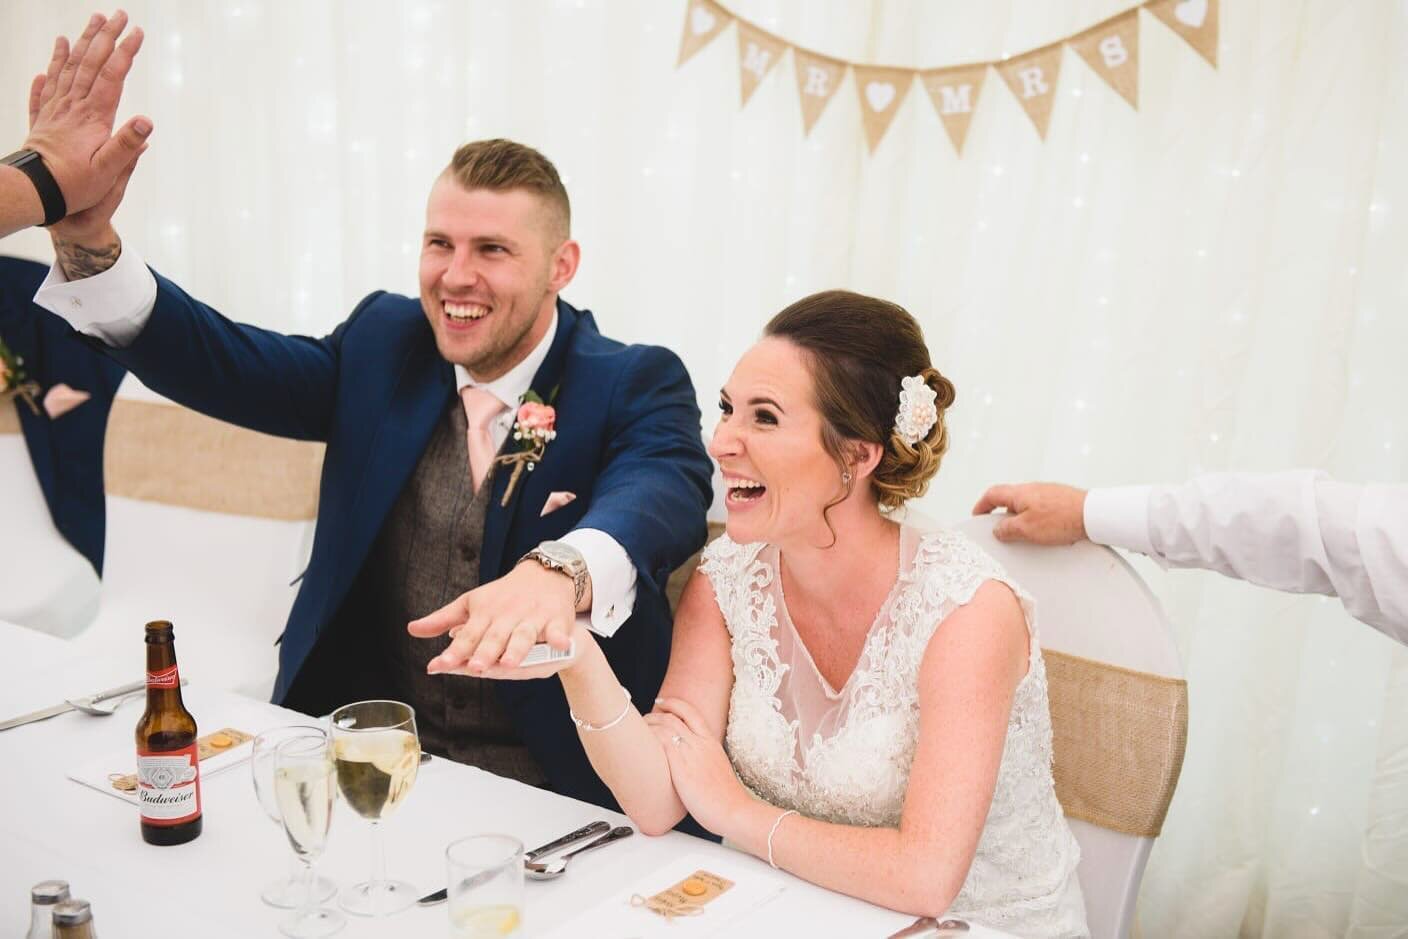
(218, 751)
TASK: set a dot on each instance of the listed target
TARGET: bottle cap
(72, 913)
(49, 892)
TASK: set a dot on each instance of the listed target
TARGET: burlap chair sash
(1118, 737)
(158, 452)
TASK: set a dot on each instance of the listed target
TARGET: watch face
(563, 556)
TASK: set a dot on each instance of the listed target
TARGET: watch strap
(51, 196)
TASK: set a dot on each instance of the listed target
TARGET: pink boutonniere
(534, 427)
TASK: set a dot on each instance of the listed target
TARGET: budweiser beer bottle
(168, 769)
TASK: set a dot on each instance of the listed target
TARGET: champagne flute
(305, 789)
(285, 893)
(376, 752)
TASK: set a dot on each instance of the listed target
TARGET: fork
(103, 705)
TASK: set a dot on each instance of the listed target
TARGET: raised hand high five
(72, 108)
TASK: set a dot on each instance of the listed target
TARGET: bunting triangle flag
(1112, 50)
(758, 52)
(1195, 20)
(1032, 78)
(881, 91)
(704, 20)
(818, 77)
(954, 92)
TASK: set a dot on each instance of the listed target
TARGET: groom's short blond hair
(501, 165)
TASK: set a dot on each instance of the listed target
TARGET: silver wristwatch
(561, 556)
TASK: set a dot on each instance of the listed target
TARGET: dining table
(53, 827)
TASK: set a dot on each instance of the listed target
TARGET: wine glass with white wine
(376, 752)
(305, 789)
(285, 893)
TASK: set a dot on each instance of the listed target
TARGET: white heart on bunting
(701, 21)
(1192, 12)
(879, 95)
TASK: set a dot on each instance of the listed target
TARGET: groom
(415, 401)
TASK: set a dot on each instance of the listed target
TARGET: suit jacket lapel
(499, 518)
(401, 436)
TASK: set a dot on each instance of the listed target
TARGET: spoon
(551, 870)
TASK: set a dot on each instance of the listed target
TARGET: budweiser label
(168, 785)
(166, 678)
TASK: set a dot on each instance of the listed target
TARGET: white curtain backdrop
(1216, 281)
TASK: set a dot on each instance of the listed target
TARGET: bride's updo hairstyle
(858, 350)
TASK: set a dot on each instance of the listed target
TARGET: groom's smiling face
(491, 266)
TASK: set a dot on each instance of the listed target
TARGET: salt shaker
(43, 897)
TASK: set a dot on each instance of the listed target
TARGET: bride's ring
(677, 740)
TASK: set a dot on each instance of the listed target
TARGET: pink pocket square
(61, 399)
(556, 500)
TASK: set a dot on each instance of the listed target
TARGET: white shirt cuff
(112, 306)
(1119, 517)
(613, 580)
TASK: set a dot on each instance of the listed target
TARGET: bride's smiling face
(778, 478)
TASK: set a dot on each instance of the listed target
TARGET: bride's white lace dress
(843, 755)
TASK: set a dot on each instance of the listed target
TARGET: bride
(854, 700)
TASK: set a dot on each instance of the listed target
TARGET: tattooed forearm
(79, 261)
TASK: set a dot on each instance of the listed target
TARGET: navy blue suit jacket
(628, 444)
(67, 452)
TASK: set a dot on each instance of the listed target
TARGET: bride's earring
(845, 479)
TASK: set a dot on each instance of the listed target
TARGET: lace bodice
(843, 755)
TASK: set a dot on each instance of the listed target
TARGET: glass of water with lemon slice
(485, 886)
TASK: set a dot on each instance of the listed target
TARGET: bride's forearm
(884, 866)
(627, 756)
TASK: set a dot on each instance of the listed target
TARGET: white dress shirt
(1298, 531)
(114, 306)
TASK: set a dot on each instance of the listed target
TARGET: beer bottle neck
(163, 680)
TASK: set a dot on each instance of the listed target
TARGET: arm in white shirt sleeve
(1296, 531)
(613, 580)
(112, 306)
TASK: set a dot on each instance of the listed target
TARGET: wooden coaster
(213, 744)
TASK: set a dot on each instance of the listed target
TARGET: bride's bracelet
(773, 831)
(586, 728)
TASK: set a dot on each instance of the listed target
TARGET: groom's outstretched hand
(1041, 513)
(494, 626)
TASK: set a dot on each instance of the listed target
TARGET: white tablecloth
(52, 827)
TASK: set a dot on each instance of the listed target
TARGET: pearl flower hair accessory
(917, 414)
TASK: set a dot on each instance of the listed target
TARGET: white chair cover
(225, 580)
(45, 583)
(1091, 603)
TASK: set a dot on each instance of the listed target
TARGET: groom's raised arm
(180, 347)
(185, 349)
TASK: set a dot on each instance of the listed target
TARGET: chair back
(674, 587)
(210, 526)
(44, 583)
(1119, 709)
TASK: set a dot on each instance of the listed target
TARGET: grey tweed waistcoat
(426, 555)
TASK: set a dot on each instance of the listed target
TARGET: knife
(581, 834)
(57, 709)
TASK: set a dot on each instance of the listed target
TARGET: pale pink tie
(480, 409)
